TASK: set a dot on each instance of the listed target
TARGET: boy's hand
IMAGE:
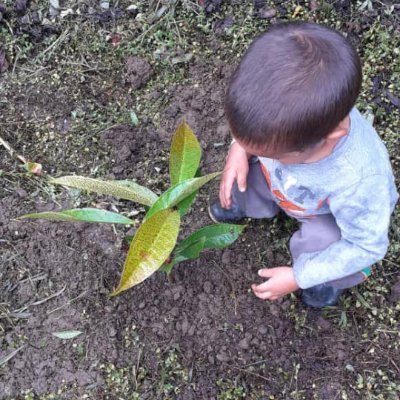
(236, 169)
(280, 283)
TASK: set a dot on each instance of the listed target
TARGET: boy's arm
(362, 213)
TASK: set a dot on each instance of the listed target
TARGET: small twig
(15, 64)
(62, 37)
(391, 262)
(9, 356)
(395, 365)
(36, 303)
(12, 152)
(135, 375)
(67, 303)
(251, 373)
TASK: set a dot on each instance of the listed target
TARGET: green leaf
(217, 236)
(151, 246)
(185, 204)
(134, 118)
(127, 190)
(82, 215)
(193, 250)
(185, 154)
(190, 252)
(179, 192)
(67, 334)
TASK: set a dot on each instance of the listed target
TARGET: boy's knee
(315, 234)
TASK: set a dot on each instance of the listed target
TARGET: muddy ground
(69, 86)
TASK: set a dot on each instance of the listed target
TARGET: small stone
(185, 326)
(223, 131)
(25, 20)
(323, 324)
(177, 295)
(21, 193)
(274, 310)
(263, 330)
(244, 344)
(112, 332)
(395, 292)
(313, 5)
(226, 257)
(207, 287)
(223, 357)
(267, 13)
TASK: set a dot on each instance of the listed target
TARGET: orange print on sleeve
(284, 203)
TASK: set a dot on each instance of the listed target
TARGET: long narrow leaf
(151, 246)
(127, 190)
(179, 192)
(185, 154)
(81, 215)
(67, 334)
(217, 236)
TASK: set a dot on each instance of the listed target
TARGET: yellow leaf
(296, 11)
(151, 246)
(127, 190)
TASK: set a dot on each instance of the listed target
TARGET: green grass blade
(151, 246)
(217, 236)
(127, 190)
(81, 215)
(185, 154)
(179, 192)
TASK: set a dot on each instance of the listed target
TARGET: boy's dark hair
(293, 86)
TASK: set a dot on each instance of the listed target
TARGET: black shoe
(219, 214)
(321, 296)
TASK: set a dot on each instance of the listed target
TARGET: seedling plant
(155, 245)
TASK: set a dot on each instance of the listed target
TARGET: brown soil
(57, 276)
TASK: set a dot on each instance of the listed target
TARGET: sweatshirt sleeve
(362, 213)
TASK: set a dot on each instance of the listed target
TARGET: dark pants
(315, 234)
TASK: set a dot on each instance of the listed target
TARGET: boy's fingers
(262, 287)
(221, 195)
(242, 182)
(263, 295)
(227, 190)
(266, 272)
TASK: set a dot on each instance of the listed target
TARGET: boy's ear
(341, 130)
(337, 133)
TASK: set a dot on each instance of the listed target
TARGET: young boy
(302, 147)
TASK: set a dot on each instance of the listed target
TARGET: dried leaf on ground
(67, 334)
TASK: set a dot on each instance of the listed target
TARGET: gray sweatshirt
(355, 183)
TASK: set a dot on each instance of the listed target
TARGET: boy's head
(292, 88)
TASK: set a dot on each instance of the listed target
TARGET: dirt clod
(138, 72)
